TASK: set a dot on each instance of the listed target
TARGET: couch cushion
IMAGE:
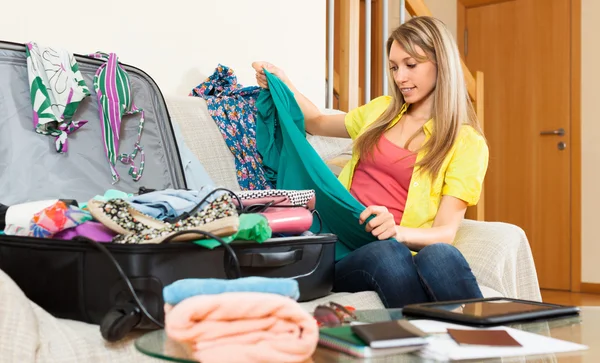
(329, 147)
(368, 300)
(365, 300)
(203, 138)
(29, 334)
(489, 292)
(512, 272)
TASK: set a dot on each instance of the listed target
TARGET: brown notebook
(388, 334)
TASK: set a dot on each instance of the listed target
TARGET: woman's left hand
(382, 225)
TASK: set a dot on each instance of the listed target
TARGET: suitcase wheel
(119, 321)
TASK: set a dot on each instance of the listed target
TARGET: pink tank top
(383, 178)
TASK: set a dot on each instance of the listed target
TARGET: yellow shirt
(460, 176)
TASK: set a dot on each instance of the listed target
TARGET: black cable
(225, 245)
(186, 215)
(143, 190)
(112, 259)
(106, 252)
(314, 211)
(254, 208)
(259, 208)
(3, 211)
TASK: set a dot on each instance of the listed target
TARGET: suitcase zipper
(50, 243)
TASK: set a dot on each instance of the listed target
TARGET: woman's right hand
(315, 122)
(261, 78)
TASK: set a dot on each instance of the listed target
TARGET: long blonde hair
(451, 104)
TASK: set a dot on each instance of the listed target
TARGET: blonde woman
(419, 160)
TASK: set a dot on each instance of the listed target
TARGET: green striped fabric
(113, 89)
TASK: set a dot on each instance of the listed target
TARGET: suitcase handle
(269, 259)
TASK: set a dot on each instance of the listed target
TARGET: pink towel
(243, 327)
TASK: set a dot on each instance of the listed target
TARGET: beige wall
(445, 10)
(590, 146)
(590, 127)
(181, 42)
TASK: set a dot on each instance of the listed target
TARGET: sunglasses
(333, 314)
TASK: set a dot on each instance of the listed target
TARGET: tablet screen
(491, 308)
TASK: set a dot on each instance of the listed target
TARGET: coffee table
(583, 329)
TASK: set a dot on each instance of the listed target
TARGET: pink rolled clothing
(243, 327)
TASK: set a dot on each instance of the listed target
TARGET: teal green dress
(290, 162)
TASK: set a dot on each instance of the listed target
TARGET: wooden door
(523, 48)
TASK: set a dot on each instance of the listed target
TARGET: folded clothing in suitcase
(80, 280)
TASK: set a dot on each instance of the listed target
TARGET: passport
(488, 337)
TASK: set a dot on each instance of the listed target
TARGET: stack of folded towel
(252, 319)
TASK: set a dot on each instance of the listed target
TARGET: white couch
(498, 253)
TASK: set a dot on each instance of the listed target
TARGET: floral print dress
(233, 109)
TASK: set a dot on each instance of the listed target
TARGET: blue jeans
(439, 272)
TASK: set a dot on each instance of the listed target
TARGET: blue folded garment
(183, 289)
(171, 203)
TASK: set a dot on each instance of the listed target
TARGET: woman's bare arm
(316, 123)
(445, 225)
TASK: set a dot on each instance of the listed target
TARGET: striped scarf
(113, 89)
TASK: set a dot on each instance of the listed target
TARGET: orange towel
(243, 327)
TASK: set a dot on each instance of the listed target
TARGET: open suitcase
(77, 280)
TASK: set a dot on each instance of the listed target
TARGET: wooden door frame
(575, 202)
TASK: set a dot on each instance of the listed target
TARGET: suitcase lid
(30, 167)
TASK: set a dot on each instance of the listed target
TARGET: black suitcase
(81, 280)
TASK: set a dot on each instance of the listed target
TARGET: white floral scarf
(57, 87)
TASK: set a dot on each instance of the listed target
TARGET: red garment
(383, 177)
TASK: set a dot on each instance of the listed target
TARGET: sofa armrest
(330, 147)
(202, 136)
(30, 334)
(500, 258)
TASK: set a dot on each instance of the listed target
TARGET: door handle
(558, 132)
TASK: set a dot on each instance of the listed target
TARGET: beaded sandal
(121, 217)
(219, 218)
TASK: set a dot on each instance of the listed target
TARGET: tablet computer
(488, 311)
